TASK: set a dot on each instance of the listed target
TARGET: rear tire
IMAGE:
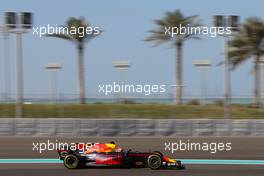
(71, 162)
(154, 161)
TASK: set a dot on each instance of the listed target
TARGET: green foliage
(247, 42)
(172, 19)
(194, 102)
(75, 23)
(130, 111)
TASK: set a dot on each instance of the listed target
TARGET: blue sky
(125, 25)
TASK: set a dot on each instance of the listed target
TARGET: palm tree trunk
(179, 73)
(81, 75)
(257, 96)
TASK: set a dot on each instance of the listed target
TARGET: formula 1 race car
(73, 159)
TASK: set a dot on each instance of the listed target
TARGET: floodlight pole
(7, 67)
(202, 65)
(54, 86)
(262, 65)
(53, 68)
(4, 30)
(19, 22)
(19, 74)
(226, 21)
(121, 66)
(202, 85)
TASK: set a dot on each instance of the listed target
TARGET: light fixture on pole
(53, 69)
(19, 23)
(202, 65)
(122, 66)
(226, 21)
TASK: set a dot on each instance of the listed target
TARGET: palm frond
(247, 42)
(59, 35)
(172, 19)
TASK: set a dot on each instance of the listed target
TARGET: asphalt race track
(242, 149)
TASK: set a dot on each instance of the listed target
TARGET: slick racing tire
(154, 162)
(180, 166)
(71, 162)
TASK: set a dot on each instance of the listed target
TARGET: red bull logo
(109, 160)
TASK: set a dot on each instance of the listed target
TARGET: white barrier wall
(130, 127)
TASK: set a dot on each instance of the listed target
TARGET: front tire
(179, 165)
(154, 162)
(71, 162)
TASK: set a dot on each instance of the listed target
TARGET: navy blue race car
(73, 159)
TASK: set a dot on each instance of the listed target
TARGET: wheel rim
(154, 162)
(71, 162)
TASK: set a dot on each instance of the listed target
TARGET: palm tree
(248, 43)
(79, 39)
(158, 36)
